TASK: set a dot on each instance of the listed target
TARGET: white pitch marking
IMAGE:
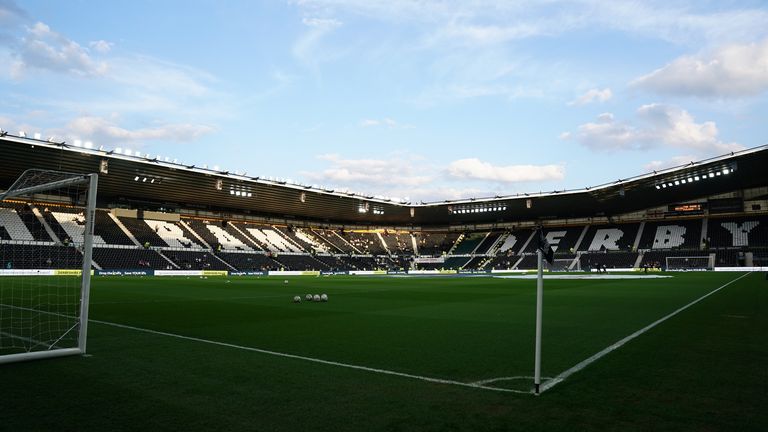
(509, 378)
(293, 356)
(563, 375)
(311, 359)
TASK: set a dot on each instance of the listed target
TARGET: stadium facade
(159, 214)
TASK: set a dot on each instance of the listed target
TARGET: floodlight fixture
(78, 143)
(658, 187)
(22, 134)
(726, 171)
(37, 135)
(711, 175)
(136, 178)
(677, 182)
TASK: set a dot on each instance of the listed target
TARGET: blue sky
(410, 99)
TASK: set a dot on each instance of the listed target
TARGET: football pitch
(684, 352)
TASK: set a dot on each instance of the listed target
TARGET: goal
(564, 265)
(46, 241)
(688, 263)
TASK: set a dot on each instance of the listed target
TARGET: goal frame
(683, 257)
(19, 188)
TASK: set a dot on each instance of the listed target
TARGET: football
(316, 298)
(308, 297)
(324, 297)
(297, 299)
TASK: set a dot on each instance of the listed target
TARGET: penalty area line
(563, 375)
(312, 359)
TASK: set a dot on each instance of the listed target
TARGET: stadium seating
(672, 234)
(130, 258)
(608, 260)
(613, 237)
(27, 256)
(749, 231)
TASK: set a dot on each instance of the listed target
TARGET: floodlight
(711, 175)
(696, 178)
(658, 187)
(78, 143)
(153, 180)
(22, 134)
(682, 181)
(677, 182)
(717, 173)
(664, 185)
(88, 144)
(136, 178)
(690, 180)
(37, 136)
(726, 171)
(144, 180)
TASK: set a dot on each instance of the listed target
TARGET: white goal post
(46, 244)
(701, 262)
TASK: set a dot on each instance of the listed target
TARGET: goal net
(688, 263)
(46, 239)
(564, 265)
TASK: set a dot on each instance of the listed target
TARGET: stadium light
(658, 187)
(88, 144)
(119, 150)
(78, 143)
(22, 134)
(37, 136)
(136, 178)
(726, 171)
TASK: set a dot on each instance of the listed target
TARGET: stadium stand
(468, 242)
(218, 237)
(608, 260)
(748, 231)
(130, 258)
(562, 240)
(249, 261)
(613, 237)
(672, 234)
(27, 256)
(194, 260)
(431, 243)
(398, 243)
(142, 232)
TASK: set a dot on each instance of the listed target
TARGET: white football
(285, 281)
(316, 298)
(297, 299)
(308, 297)
(324, 297)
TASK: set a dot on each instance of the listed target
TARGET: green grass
(704, 369)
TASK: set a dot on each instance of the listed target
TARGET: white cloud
(306, 49)
(660, 126)
(484, 22)
(385, 122)
(394, 171)
(475, 169)
(673, 162)
(730, 71)
(593, 95)
(104, 132)
(101, 46)
(43, 48)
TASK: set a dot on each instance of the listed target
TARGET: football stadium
(344, 215)
(218, 301)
